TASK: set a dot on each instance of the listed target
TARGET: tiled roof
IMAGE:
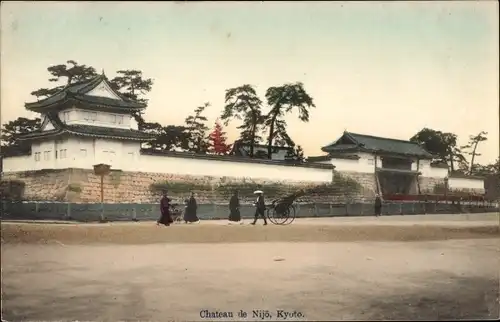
(232, 158)
(371, 143)
(87, 130)
(78, 91)
(98, 131)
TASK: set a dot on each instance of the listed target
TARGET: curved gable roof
(350, 141)
(78, 91)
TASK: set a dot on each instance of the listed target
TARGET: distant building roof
(243, 149)
(77, 93)
(86, 130)
(350, 142)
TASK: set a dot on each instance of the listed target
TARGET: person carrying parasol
(260, 207)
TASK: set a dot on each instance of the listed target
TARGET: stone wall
(368, 182)
(82, 186)
(428, 184)
(43, 184)
(79, 185)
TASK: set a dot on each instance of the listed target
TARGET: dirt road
(136, 271)
(392, 228)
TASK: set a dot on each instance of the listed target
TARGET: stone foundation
(83, 186)
(431, 185)
(368, 182)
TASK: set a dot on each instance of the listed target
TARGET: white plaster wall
(465, 183)
(198, 167)
(20, 163)
(103, 90)
(431, 172)
(86, 152)
(46, 152)
(365, 164)
(415, 164)
(97, 118)
(43, 156)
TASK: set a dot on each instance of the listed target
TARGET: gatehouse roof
(351, 142)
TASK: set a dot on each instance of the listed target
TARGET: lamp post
(101, 170)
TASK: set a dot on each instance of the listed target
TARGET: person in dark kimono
(378, 206)
(191, 208)
(234, 208)
(260, 207)
(166, 218)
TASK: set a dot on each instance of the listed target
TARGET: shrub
(12, 189)
(246, 189)
(74, 187)
(115, 177)
(440, 189)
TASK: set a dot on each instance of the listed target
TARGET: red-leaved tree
(217, 140)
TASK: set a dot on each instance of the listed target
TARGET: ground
(410, 267)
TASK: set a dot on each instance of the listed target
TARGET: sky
(377, 68)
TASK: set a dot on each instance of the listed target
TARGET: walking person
(166, 217)
(234, 208)
(191, 209)
(378, 205)
(260, 207)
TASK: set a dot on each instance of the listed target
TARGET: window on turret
(66, 116)
(89, 116)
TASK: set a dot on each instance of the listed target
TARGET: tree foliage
(242, 103)
(71, 72)
(197, 130)
(218, 140)
(471, 148)
(13, 129)
(297, 154)
(489, 169)
(284, 99)
(132, 86)
(442, 145)
(167, 138)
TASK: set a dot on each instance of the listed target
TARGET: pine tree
(196, 130)
(218, 140)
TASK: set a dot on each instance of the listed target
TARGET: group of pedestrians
(190, 214)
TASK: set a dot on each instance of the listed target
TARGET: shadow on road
(455, 299)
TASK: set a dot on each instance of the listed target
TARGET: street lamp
(102, 170)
